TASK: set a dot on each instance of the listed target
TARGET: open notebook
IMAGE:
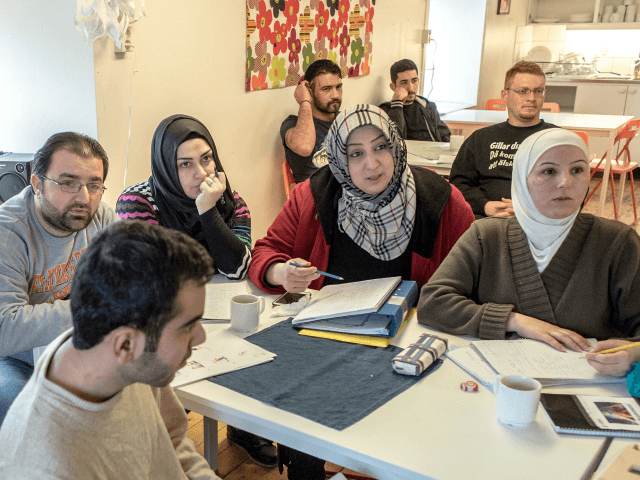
(529, 358)
(344, 299)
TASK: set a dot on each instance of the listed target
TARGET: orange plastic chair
(583, 135)
(287, 176)
(622, 164)
(498, 104)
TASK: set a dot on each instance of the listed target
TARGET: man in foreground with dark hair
(417, 118)
(482, 168)
(319, 97)
(99, 404)
(43, 232)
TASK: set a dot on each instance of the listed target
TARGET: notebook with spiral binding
(593, 415)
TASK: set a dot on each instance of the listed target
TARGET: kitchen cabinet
(598, 98)
(554, 9)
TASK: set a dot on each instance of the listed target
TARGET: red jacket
(442, 216)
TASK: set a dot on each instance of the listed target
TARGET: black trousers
(300, 466)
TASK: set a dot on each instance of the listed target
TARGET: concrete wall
(190, 58)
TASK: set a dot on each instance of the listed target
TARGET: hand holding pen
(293, 279)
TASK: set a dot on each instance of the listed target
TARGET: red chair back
(628, 132)
(287, 176)
(496, 104)
(583, 135)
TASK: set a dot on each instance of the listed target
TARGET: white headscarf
(545, 235)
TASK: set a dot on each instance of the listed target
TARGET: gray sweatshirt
(36, 268)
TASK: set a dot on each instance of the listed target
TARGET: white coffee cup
(455, 142)
(245, 312)
(517, 399)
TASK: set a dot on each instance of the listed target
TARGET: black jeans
(300, 466)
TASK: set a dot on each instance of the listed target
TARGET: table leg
(605, 174)
(211, 442)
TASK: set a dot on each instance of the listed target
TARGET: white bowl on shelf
(581, 18)
(543, 57)
(546, 20)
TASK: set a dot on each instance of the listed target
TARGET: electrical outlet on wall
(126, 43)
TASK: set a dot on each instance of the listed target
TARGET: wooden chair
(498, 104)
(622, 164)
(287, 176)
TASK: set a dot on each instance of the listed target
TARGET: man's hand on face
(399, 92)
(302, 92)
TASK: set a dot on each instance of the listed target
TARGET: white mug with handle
(517, 399)
(245, 312)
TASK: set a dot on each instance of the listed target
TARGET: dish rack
(568, 68)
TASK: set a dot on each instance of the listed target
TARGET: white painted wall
(499, 44)
(191, 59)
(46, 74)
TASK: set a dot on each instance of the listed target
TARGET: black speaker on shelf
(15, 173)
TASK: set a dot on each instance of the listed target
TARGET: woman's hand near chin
(558, 338)
(616, 364)
(211, 189)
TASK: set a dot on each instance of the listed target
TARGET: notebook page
(217, 304)
(350, 298)
(536, 359)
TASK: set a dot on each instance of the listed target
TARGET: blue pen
(222, 197)
(330, 275)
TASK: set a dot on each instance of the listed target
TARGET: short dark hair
(77, 143)
(320, 67)
(522, 67)
(401, 66)
(130, 276)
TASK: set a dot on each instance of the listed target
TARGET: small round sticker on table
(469, 386)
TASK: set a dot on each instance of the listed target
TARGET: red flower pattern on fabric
(367, 46)
(368, 20)
(343, 12)
(354, 71)
(294, 47)
(279, 38)
(321, 49)
(263, 59)
(291, 9)
(293, 74)
(314, 4)
(263, 21)
(307, 25)
(333, 34)
(322, 22)
(252, 3)
(258, 81)
(344, 42)
(365, 67)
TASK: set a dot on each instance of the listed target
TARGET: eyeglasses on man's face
(69, 186)
(538, 92)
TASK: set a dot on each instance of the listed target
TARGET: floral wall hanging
(285, 36)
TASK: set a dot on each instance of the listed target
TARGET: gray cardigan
(591, 285)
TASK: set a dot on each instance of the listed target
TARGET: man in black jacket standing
(416, 117)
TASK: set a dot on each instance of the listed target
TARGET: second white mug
(517, 399)
(245, 312)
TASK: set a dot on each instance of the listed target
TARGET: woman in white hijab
(550, 273)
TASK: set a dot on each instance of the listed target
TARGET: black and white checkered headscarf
(381, 224)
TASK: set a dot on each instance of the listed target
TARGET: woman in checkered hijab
(365, 214)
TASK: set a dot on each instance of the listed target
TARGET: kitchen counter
(568, 80)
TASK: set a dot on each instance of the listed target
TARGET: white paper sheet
(222, 352)
(538, 360)
(217, 305)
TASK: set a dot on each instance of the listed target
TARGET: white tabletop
(432, 430)
(565, 120)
